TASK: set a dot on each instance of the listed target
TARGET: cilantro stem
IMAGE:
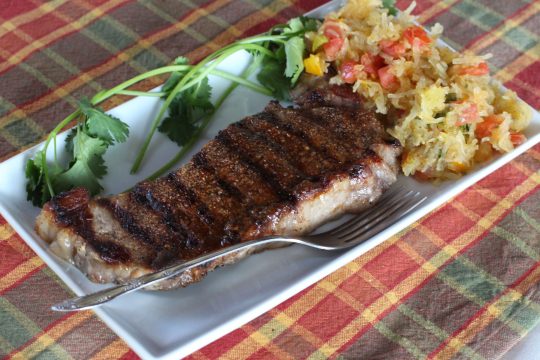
(192, 77)
(52, 135)
(141, 93)
(187, 147)
(242, 81)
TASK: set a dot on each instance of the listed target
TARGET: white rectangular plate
(176, 323)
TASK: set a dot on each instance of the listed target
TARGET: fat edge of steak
(283, 171)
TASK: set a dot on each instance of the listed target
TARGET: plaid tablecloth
(464, 282)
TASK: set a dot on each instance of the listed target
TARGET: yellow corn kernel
(314, 65)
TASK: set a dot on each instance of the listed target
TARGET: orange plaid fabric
(463, 282)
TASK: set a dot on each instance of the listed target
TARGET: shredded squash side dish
(449, 113)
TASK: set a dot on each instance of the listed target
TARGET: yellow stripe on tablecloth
(142, 42)
(31, 15)
(19, 271)
(48, 338)
(409, 250)
(521, 62)
(487, 317)
(306, 302)
(262, 340)
(438, 6)
(38, 44)
(17, 57)
(416, 278)
(5, 232)
(112, 63)
(535, 154)
(114, 350)
(508, 24)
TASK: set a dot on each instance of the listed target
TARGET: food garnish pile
(448, 113)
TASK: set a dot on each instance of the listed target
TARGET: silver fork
(395, 204)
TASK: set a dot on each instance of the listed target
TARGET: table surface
(463, 282)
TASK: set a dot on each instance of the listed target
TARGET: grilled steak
(282, 171)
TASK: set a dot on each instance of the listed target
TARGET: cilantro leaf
(176, 76)
(281, 73)
(300, 25)
(391, 6)
(85, 144)
(69, 141)
(104, 126)
(37, 190)
(294, 50)
(186, 112)
(177, 130)
(272, 77)
(87, 167)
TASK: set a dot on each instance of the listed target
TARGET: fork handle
(106, 295)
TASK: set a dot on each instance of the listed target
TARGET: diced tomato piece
(332, 30)
(388, 80)
(517, 138)
(416, 35)
(468, 115)
(485, 128)
(476, 70)
(332, 48)
(392, 48)
(372, 63)
(348, 72)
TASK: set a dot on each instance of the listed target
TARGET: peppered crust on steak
(282, 171)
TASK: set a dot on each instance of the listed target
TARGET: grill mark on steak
(284, 130)
(358, 129)
(345, 125)
(325, 130)
(260, 169)
(321, 137)
(273, 159)
(218, 203)
(174, 212)
(127, 221)
(202, 209)
(265, 140)
(229, 166)
(71, 210)
(200, 161)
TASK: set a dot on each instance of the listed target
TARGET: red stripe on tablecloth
(67, 33)
(115, 55)
(130, 355)
(47, 23)
(23, 278)
(15, 8)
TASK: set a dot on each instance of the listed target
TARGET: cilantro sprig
(185, 113)
(86, 144)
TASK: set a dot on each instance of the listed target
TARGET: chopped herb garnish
(450, 97)
(86, 143)
(441, 113)
(391, 6)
